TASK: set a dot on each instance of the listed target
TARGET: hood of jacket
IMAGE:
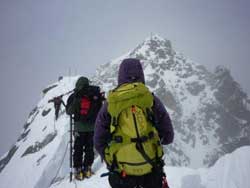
(130, 70)
(81, 83)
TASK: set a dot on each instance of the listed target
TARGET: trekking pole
(71, 149)
(55, 124)
(60, 96)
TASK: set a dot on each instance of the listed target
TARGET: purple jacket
(131, 71)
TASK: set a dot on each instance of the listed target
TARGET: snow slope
(231, 171)
(35, 158)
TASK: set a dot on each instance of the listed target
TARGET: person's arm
(102, 133)
(72, 104)
(164, 124)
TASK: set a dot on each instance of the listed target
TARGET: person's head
(81, 83)
(130, 70)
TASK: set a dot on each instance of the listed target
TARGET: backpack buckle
(140, 139)
(151, 135)
(118, 139)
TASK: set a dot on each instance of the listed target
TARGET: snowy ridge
(39, 150)
(210, 114)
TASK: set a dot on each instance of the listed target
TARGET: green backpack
(135, 144)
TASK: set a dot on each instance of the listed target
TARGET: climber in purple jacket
(130, 71)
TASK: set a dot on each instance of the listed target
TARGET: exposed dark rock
(205, 140)
(49, 88)
(38, 162)
(26, 125)
(189, 139)
(161, 53)
(32, 117)
(33, 111)
(23, 135)
(212, 157)
(39, 145)
(168, 99)
(154, 65)
(182, 159)
(139, 56)
(162, 83)
(164, 66)
(195, 88)
(133, 53)
(4, 161)
(60, 78)
(46, 112)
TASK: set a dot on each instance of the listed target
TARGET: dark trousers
(83, 144)
(151, 180)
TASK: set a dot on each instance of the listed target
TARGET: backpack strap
(139, 140)
(143, 138)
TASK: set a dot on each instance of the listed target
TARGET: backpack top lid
(81, 83)
(127, 95)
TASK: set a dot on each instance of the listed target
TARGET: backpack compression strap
(139, 141)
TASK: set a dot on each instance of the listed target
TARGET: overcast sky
(41, 40)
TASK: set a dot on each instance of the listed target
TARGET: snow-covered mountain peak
(155, 42)
(154, 47)
(155, 37)
(221, 70)
(202, 104)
